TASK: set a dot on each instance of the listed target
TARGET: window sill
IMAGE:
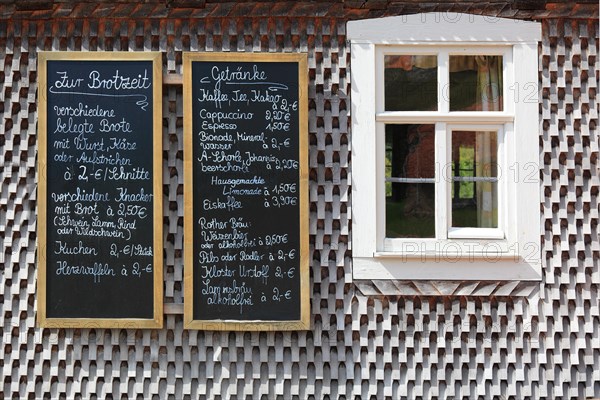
(450, 256)
(490, 246)
(447, 267)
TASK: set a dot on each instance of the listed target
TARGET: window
(445, 156)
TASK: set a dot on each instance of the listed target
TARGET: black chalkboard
(246, 184)
(100, 220)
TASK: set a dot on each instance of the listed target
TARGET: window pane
(475, 179)
(410, 83)
(476, 83)
(410, 150)
(410, 177)
(410, 213)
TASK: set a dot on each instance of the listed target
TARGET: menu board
(100, 190)
(246, 204)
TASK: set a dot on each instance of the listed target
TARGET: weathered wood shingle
(437, 340)
(523, 9)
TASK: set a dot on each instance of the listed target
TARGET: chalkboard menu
(100, 190)
(246, 204)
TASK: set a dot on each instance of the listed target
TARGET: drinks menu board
(100, 190)
(246, 204)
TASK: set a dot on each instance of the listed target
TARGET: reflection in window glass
(410, 213)
(410, 83)
(410, 181)
(476, 83)
(475, 179)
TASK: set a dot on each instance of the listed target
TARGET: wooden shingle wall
(545, 345)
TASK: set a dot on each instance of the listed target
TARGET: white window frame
(503, 230)
(511, 252)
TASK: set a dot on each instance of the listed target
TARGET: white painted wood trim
(453, 253)
(363, 150)
(475, 233)
(526, 150)
(379, 194)
(446, 266)
(517, 256)
(443, 81)
(509, 82)
(509, 219)
(443, 27)
(442, 199)
(410, 247)
(504, 207)
(424, 117)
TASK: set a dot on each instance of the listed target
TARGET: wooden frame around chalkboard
(246, 325)
(132, 323)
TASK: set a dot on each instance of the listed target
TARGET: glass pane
(410, 83)
(410, 177)
(476, 83)
(475, 179)
(410, 211)
(410, 150)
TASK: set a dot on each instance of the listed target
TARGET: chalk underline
(272, 85)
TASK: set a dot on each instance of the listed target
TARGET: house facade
(514, 319)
